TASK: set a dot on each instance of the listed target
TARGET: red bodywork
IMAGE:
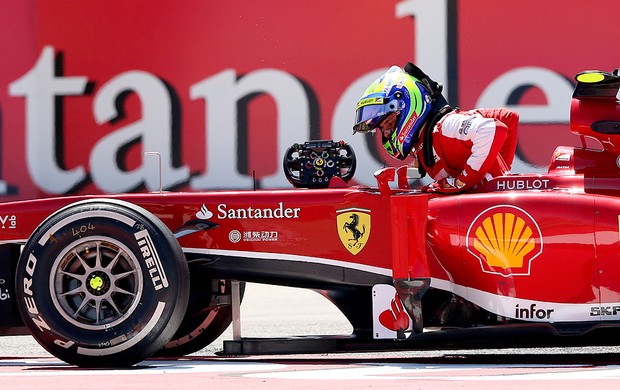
(541, 247)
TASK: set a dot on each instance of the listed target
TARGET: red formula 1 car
(112, 280)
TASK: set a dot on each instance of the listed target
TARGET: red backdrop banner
(219, 89)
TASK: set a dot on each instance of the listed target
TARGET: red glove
(447, 185)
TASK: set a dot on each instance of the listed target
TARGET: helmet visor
(368, 117)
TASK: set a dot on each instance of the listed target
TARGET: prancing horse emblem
(353, 228)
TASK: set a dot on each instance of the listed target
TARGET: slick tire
(102, 283)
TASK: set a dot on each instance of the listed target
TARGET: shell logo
(505, 239)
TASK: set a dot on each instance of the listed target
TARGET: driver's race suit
(470, 147)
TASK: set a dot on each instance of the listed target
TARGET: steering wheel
(313, 163)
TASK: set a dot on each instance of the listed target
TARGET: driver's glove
(447, 185)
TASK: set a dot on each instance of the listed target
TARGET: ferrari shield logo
(353, 228)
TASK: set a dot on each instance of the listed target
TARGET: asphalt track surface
(278, 312)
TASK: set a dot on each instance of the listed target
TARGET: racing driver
(460, 150)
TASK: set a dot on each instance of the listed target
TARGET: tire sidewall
(157, 309)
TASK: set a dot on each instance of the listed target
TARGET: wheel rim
(96, 283)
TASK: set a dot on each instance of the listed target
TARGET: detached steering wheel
(313, 164)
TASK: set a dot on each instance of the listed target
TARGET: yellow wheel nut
(96, 283)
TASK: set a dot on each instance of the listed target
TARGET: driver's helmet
(395, 93)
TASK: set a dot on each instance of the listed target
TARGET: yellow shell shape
(504, 240)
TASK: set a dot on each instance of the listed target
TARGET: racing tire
(102, 283)
(202, 324)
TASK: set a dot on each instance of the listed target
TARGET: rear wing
(595, 109)
(597, 84)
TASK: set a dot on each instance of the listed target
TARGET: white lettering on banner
(432, 55)
(221, 94)
(431, 20)
(40, 86)
(556, 88)
(153, 129)
(367, 164)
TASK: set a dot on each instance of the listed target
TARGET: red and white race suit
(471, 146)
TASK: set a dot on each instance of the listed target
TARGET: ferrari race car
(112, 280)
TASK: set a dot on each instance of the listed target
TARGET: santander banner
(220, 89)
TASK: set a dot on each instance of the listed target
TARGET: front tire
(102, 283)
